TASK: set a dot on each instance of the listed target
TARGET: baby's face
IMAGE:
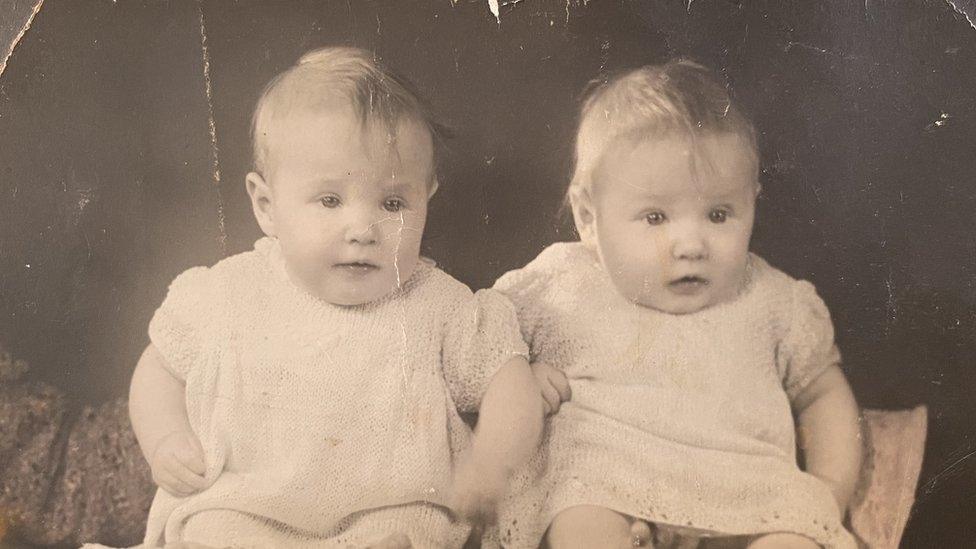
(674, 234)
(348, 207)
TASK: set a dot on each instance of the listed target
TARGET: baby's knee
(589, 526)
(397, 540)
(783, 541)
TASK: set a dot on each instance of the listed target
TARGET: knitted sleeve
(177, 327)
(808, 348)
(481, 336)
(522, 287)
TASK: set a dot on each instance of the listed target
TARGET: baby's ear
(583, 213)
(261, 200)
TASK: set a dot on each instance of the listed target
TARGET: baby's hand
(554, 385)
(177, 464)
(477, 490)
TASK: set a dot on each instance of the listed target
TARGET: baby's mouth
(357, 267)
(687, 285)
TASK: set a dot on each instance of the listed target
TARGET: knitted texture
(324, 425)
(683, 420)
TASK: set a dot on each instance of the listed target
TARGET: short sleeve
(481, 335)
(522, 287)
(177, 328)
(808, 348)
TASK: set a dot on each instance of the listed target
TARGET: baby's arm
(157, 408)
(507, 435)
(829, 432)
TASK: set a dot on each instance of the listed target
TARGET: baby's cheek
(636, 283)
(402, 227)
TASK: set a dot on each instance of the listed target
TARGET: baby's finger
(551, 397)
(192, 459)
(546, 408)
(169, 482)
(194, 481)
(640, 533)
(558, 380)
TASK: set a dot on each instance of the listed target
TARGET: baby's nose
(689, 244)
(362, 230)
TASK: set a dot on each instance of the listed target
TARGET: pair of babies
(307, 393)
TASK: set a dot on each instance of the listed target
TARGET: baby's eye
(654, 218)
(330, 201)
(393, 205)
(718, 215)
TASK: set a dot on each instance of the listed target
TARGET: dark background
(111, 181)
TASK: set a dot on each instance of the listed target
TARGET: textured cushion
(64, 481)
(895, 442)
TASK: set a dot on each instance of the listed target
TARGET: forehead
(334, 140)
(711, 164)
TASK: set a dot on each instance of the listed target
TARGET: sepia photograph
(522, 274)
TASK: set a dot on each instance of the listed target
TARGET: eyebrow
(398, 185)
(726, 198)
(662, 201)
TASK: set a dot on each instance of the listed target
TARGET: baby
(306, 393)
(688, 356)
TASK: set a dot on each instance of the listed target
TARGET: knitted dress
(682, 420)
(324, 426)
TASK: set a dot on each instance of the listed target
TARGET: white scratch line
(214, 153)
(790, 45)
(493, 8)
(930, 485)
(396, 251)
(23, 31)
(403, 313)
(950, 2)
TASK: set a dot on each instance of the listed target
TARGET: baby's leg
(403, 526)
(586, 526)
(398, 540)
(783, 540)
(223, 527)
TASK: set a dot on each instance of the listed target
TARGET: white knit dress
(324, 426)
(682, 420)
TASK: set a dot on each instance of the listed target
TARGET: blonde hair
(677, 97)
(322, 76)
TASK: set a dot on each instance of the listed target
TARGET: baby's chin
(353, 298)
(343, 294)
(684, 305)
